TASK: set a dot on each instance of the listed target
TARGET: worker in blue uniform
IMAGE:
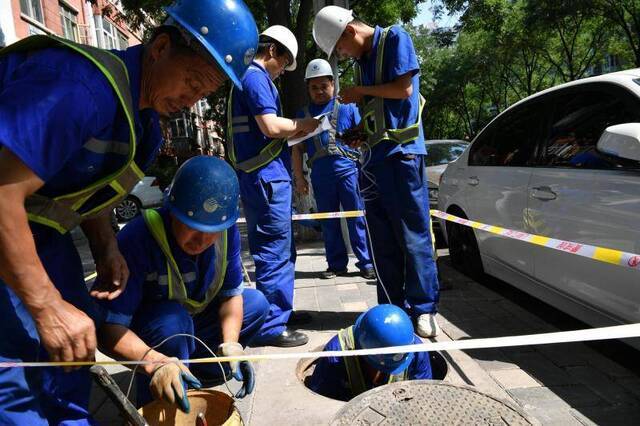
(382, 326)
(397, 201)
(78, 125)
(257, 148)
(185, 278)
(334, 172)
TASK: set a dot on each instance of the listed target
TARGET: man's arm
(122, 343)
(302, 187)
(67, 333)
(231, 313)
(110, 264)
(400, 88)
(273, 126)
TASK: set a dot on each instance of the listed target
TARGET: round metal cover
(422, 402)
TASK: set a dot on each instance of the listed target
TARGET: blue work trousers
(397, 211)
(267, 208)
(42, 396)
(156, 321)
(329, 195)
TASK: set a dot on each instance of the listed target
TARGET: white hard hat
(287, 39)
(329, 25)
(318, 68)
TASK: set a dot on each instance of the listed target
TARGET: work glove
(170, 382)
(242, 371)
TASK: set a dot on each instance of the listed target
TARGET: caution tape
(329, 215)
(607, 255)
(585, 335)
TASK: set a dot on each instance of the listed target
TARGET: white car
(563, 163)
(440, 152)
(144, 195)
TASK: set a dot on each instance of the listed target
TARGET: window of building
(178, 128)
(33, 9)
(69, 19)
(109, 37)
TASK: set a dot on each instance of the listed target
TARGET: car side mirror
(622, 140)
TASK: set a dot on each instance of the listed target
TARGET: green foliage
(506, 50)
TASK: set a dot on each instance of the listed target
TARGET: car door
(578, 194)
(497, 178)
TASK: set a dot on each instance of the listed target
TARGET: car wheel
(463, 250)
(128, 209)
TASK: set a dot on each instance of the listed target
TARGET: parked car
(563, 163)
(145, 194)
(440, 152)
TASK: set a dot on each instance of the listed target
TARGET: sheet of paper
(325, 124)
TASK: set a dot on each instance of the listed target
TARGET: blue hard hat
(226, 28)
(383, 326)
(204, 194)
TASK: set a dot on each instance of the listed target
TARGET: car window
(579, 119)
(444, 153)
(510, 140)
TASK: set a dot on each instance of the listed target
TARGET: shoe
(427, 326)
(299, 317)
(330, 273)
(288, 339)
(368, 274)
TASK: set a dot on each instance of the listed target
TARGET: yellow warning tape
(585, 335)
(607, 255)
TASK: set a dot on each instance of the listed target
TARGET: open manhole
(305, 367)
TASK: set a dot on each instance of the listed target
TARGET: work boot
(288, 339)
(368, 274)
(331, 273)
(427, 326)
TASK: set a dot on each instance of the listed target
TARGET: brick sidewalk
(568, 384)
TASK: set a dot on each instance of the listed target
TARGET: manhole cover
(420, 402)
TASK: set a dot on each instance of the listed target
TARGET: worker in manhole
(381, 326)
(334, 172)
(185, 278)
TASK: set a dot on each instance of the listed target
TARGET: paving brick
(631, 384)
(538, 398)
(345, 287)
(514, 379)
(612, 416)
(564, 355)
(492, 359)
(540, 367)
(350, 296)
(305, 299)
(578, 396)
(355, 306)
(602, 385)
(606, 365)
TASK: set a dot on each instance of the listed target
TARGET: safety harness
(177, 289)
(240, 124)
(372, 108)
(352, 364)
(332, 147)
(67, 211)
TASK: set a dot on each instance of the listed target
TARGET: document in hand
(325, 124)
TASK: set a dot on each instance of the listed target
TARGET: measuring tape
(586, 335)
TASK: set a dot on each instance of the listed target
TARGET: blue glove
(242, 371)
(188, 381)
(247, 376)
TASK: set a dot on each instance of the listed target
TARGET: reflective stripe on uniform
(373, 111)
(174, 280)
(267, 154)
(65, 212)
(352, 364)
